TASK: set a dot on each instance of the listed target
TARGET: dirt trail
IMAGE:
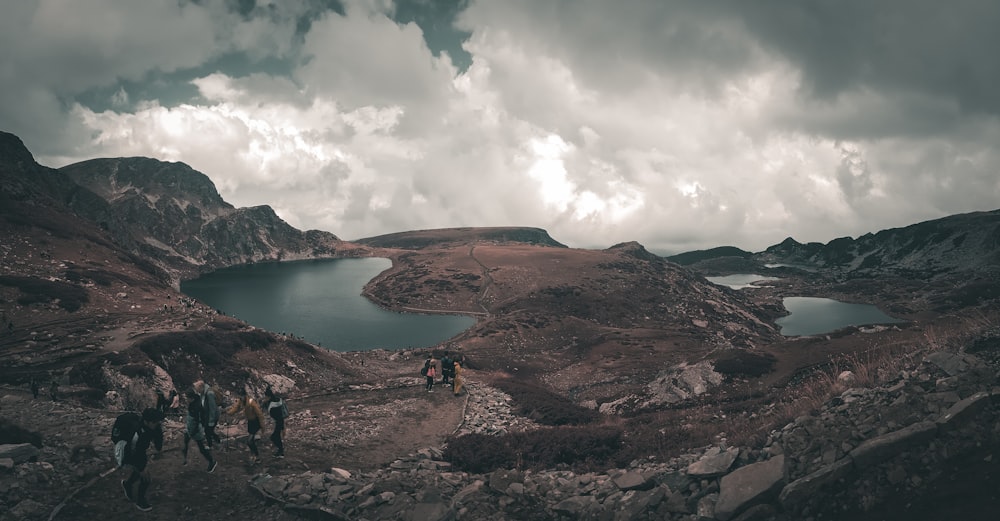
(358, 431)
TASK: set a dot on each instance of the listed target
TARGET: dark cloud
(940, 49)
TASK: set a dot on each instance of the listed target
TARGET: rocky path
(359, 429)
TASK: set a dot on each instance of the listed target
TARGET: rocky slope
(173, 215)
(89, 300)
(867, 452)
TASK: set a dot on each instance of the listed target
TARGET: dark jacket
(139, 438)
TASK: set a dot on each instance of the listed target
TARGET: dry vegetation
(578, 438)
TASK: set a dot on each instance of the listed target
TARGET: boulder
(749, 485)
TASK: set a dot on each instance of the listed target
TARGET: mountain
(600, 383)
(415, 240)
(964, 243)
(173, 215)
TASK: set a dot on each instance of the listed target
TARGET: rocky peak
(955, 244)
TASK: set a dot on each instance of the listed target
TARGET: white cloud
(679, 125)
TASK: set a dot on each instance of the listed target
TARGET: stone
(633, 481)
(19, 452)
(715, 462)
(747, 485)
(798, 491)
(574, 506)
(963, 411)
(877, 450)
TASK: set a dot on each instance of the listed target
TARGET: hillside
(600, 382)
(173, 215)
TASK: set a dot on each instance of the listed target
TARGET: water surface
(815, 316)
(320, 301)
(739, 280)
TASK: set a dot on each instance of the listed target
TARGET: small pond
(739, 280)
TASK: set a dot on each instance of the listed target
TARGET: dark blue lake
(320, 301)
(815, 316)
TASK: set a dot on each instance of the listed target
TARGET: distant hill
(415, 240)
(692, 257)
(961, 243)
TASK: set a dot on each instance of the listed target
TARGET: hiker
(429, 372)
(447, 368)
(275, 409)
(194, 429)
(34, 387)
(54, 388)
(161, 402)
(140, 431)
(175, 403)
(210, 411)
(255, 419)
(457, 381)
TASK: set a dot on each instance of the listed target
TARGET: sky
(681, 125)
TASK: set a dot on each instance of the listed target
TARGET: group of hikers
(450, 369)
(35, 387)
(134, 433)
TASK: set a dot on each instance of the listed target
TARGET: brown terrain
(592, 330)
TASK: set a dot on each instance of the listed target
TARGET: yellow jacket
(250, 409)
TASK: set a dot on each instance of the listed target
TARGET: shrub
(737, 362)
(544, 406)
(577, 447)
(13, 434)
(137, 371)
(214, 348)
(137, 396)
(35, 290)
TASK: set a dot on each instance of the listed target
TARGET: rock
(19, 452)
(426, 512)
(884, 447)
(963, 411)
(803, 488)
(747, 485)
(715, 462)
(574, 506)
(633, 481)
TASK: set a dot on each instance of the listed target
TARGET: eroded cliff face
(174, 216)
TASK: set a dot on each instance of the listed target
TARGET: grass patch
(574, 447)
(11, 433)
(741, 363)
(34, 290)
(544, 406)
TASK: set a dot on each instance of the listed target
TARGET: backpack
(280, 409)
(124, 431)
(423, 370)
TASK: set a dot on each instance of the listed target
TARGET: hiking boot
(143, 505)
(212, 465)
(128, 493)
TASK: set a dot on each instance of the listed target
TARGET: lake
(320, 301)
(815, 316)
(739, 280)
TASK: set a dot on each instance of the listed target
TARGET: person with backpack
(429, 371)
(210, 411)
(447, 368)
(255, 420)
(457, 381)
(132, 435)
(194, 429)
(278, 411)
